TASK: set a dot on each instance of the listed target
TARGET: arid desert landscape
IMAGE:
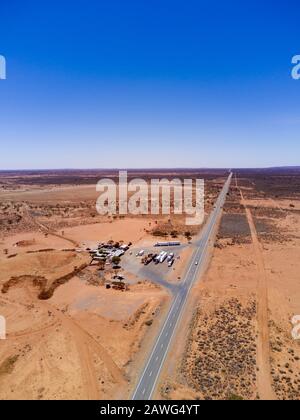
(83, 328)
(238, 340)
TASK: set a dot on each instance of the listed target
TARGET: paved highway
(150, 374)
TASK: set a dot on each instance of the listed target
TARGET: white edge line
(179, 318)
(181, 311)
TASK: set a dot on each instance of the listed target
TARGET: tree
(116, 260)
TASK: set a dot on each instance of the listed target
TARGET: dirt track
(264, 380)
(87, 346)
(85, 343)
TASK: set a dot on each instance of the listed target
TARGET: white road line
(177, 321)
(155, 345)
(200, 252)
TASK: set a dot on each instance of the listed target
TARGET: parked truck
(169, 243)
(171, 262)
(170, 256)
(147, 259)
(163, 257)
(157, 258)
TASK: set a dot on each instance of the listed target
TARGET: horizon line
(227, 168)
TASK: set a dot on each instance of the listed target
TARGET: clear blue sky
(99, 84)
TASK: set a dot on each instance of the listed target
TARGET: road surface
(150, 374)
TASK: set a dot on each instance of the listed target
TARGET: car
(196, 263)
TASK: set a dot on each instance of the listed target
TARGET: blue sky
(100, 84)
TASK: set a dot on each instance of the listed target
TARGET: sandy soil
(21, 243)
(83, 341)
(127, 230)
(54, 194)
(66, 346)
(264, 388)
(51, 265)
(250, 293)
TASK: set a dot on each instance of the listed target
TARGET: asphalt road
(150, 374)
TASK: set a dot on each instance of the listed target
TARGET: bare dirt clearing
(78, 344)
